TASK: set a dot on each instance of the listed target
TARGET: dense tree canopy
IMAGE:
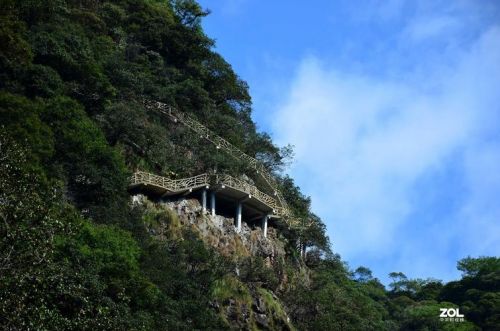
(76, 255)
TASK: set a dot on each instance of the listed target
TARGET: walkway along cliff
(249, 200)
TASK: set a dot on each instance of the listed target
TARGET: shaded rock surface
(244, 306)
(220, 232)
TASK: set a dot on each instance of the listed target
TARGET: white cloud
(479, 217)
(233, 7)
(433, 27)
(368, 10)
(363, 143)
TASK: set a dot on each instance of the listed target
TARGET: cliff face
(220, 233)
(243, 302)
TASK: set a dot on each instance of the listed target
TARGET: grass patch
(163, 220)
(230, 287)
(274, 308)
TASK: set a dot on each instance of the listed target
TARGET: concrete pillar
(264, 225)
(212, 203)
(204, 200)
(238, 217)
(299, 247)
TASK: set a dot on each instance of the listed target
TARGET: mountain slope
(76, 253)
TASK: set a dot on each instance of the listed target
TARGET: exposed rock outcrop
(245, 306)
(220, 232)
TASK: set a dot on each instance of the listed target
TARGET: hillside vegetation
(76, 254)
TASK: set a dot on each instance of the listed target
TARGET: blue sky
(393, 108)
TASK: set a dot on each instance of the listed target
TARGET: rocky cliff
(242, 298)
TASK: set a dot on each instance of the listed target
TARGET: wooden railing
(220, 143)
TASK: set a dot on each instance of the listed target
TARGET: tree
(189, 12)
(478, 292)
(399, 281)
(30, 220)
(363, 274)
(474, 267)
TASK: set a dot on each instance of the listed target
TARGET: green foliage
(478, 292)
(29, 221)
(230, 287)
(20, 118)
(422, 316)
(254, 270)
(475, 267)
(108, 249)
(15, 51)
(363, 274)
(75, 256)
(189, 283)
(94, 173)
(337, 302)
(275, 310)
(189, 12)
(311, 233)
(338, 298)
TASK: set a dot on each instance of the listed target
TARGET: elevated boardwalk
(221, 143)
(220, 184)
